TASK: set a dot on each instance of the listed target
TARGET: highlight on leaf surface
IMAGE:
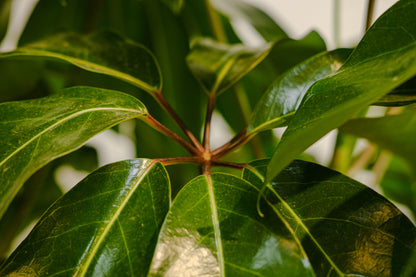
(218, 66)
(35, 132)
(105, 53)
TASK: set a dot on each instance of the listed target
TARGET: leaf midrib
(215, 222)
(57, 123)
(86, 65)
(85, 263)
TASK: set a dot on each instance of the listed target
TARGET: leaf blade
(357, 85)
(134, 63)
(283, 97)
(218, 66)
(34, 132)
(234, 242)
(325, 210)
(132, 195)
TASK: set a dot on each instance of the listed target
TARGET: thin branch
(208, 117)
(370, 12)
(152, 122)
(230, 165)
(168, 108)
(179, 160)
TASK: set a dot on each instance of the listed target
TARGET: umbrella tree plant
(187, 208)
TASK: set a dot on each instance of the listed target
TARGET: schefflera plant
(278, 217)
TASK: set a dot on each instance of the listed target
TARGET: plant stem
(215, 22)
(168, 108)
(370, 12)
(207, 129)
(179, 160)
(152, 122)
(230, 165)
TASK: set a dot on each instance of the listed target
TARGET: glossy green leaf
(34, 132)
(283, 97)
(218, 66)
(174, 5)
(384, 131)
(104, 53)
(213, 229)
(262, 22)
(345, 228)
(107, 225)
(361, 81)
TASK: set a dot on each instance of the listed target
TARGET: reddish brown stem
(239, 140)
(207, 130)
(152, 122)
(229, 164)
(179, 160)
(168, 108)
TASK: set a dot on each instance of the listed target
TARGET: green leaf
(174, 5)
(35, 132)
(106, 226)
(218, 66)
(405, 94)
(384, 132)
(399, 183)
(213, 229)
(5, 6)
(257, 18)
(104, 53)
(283, 97)
(330, 102)
(345, 227)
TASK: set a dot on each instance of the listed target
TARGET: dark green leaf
(218, 66)
(5, 6)
(400, 96)
(345, 228)
(104, 53)
(34, 132)
(106, 226)
(213, 229)
(257, 18)
(384, 131)
(331, 101)
(283, 97)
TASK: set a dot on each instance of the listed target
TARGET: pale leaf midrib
(85, 65)
(215, 222)
(57, 123)
(85, 263)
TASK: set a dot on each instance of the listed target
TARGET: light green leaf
(213, 229)
(104, 53)
(218, 66)
(283, 97)
(384, 131)
(330, 102)
(263, 23)
(35, 132)
(174, 5)
(345, 228)
(107, 225)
